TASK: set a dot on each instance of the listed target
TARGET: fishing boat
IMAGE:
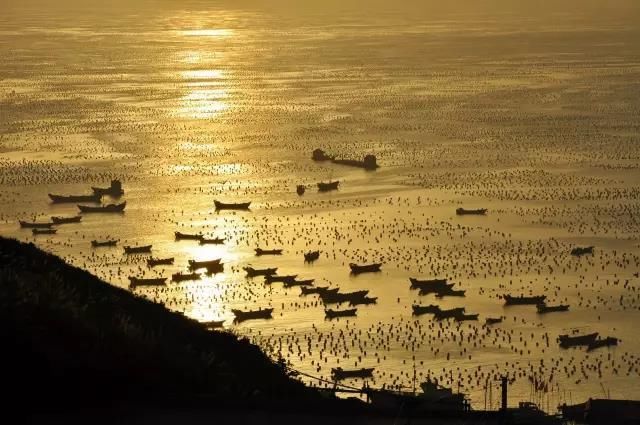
(37, 231)
(448, 293)
(231, 206)
(339, 373)
(66, 220)
(363, 300)
(251, 272)
(326, 187)
(62, 199)
(111, 208)
(145, 249)
(465, 317)
(260, 251)
(493, 320)
(28, 225)
(579, 251)
(186, 236)
(262, 313)
(181, 277)
(135, 281)
(419, 310)
(212, 241)
(331, 297)
(115, 190)
(451, 313)
(427, 283)
(599, 343)
(524, 300)
(215, 268)
(311, 256)
(567, 341)
(300, 189)
(195, 265)
(272, 278)
(152, 262)
(305, 290)
(213, 324)
(305, 282)
(367, 268)
(330, 314)
(479, 211)
(433, 289)
(543, 308)
(99, 244)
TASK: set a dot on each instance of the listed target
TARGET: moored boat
(61, 199)
(262, 313)
(605, 342)
(493, 320)
(579, 251)
(339, 373)
(260, 251)
(451, 313)
(567, 341)
(524, 300)
(144, 249)
(271, 278)
(544, 308)
(98, 244)
(427, 283)
(115, 190)
(448, 293)
(465, 317)
(433, 289)
(326, 187)
(215, 268)
(306, 290)
(479, 211)
(195, 265)
(111, 208)
(38, 231)
(231, 206)
(66, 220)
(187, 236)
(181, 277)
(32, 225)
(419, 310)
(363, 300)
(251, 272)
(330, 314)
(311, 256)
(211, 241)
(367, 268)
(135, 281)
(336, 297)
(304, 282)
(152, 262)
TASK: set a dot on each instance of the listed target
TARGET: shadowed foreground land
(83, 351)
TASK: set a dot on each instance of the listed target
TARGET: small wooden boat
(310, 257)
(272, 278)
(262, 313)
(336, 297)
(330, 314)
(213, 324)
(62, 199)
(152, 262)
(339, 373)
(37, 231)
(111, 208)
(419, 310)
(99, 244)
(465, 317)
(306, 290)
(115, 190)
(567, 341)
(363, 300)
(215, 268)
(449, 293)
(145, 249)
(212, 241)
(432, 289)
(427, 283)
(367, 268)
(28, 225)
(195, 265)
(260, 251)
(599, 343)
(66, 220)
(181, 277)
(543, 308)
(326, 187)
(231, 206)
(493, 320)
(451, 313)
(135, 281)
(186, 236)
(579, 251)
(300, 189)
(462, 211)
(305, 282)
(524, 300)
(251, 272)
